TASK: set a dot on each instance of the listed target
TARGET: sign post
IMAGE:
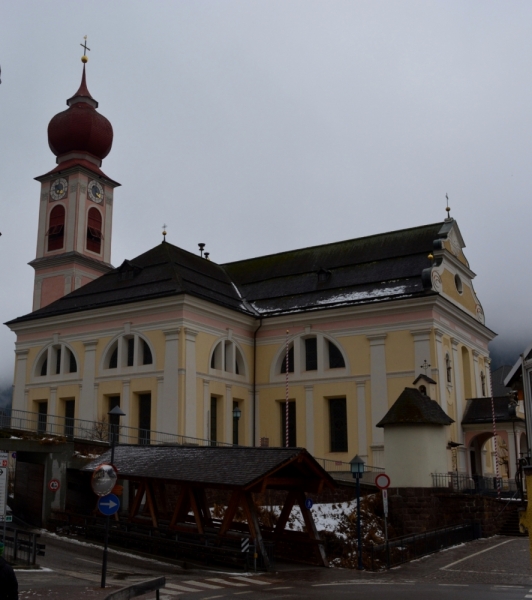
(382, 481)
(4, 458)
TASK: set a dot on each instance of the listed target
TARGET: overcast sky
(262, 126)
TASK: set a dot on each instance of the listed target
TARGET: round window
(458, 283)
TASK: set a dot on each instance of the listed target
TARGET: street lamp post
(237, 413)
(357, 468)
(115, 412)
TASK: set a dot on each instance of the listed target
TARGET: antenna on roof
(448, 208)
(201, 246)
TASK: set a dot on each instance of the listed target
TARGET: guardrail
(138, 589)
(475, 484)
(409, 547)
(22, 547)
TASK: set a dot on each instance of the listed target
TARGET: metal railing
(22, 547)
(459, 483)
(94, 431)
(409, 547)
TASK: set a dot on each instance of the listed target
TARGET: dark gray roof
(478, 410)
(425, 378)
(212, 466)
(414, 408)
(377, 268)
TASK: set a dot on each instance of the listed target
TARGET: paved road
(497, 568)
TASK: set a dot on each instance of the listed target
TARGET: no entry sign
(382, 481)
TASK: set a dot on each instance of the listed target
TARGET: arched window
(309, 353)
(128, 351)
(57, 359)
(290, 360)
(228, 357)
(94, 230)
(56, 228)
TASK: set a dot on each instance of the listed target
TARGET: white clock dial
(58, 189)
(95, 191)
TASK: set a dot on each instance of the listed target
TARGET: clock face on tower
(95, 191)
(59, 189)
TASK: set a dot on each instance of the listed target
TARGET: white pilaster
(442, 375)
(87, 407)
(126, 406)
(248, 439)
(379, 385)
(206, 409)
(361, 421)
(53, 426)
(21, 365)
(190, 383)
(421, 350)
(477, 392)
(309, 418)
(167, 406)
(458, 392)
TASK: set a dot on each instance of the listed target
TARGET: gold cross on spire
(85, 58)
(448, 208)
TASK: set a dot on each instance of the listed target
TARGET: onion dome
(80, 131)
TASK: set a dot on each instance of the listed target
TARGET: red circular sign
(54, 485)
(382, 481)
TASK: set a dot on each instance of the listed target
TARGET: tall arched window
(94, 231)
(56, 229)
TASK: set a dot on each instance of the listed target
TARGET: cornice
(67, 258)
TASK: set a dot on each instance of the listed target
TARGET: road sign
(385, 502)
(308, 503)
(4, 457)
(244, 544)
(54, 485)
(382, 481)
(103, 480)
(8, 519)
(108, 505)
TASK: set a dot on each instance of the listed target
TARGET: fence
(22, 547)
(409, 547)
(464, 484)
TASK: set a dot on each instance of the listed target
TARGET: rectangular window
(214, 420)
(130, 351)
(338, 424)
(291, 423)
(311, 354)
(69, 418)
(57, 361)
(144, 418)
(41, 418)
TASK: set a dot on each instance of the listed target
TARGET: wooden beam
(285, 513)
(311, 527)
(182, 500)
(151, 505)
(201, 499)
(135, 505)
(229, 513)
(254, 527)
(195, 510)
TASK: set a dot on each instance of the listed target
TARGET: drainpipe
(527, 404)
(255, 382)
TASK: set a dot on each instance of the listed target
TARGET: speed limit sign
(54, 485)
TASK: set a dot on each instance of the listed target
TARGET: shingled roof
(227, 467)
(414, 408)
(478, 410)
(371, 269)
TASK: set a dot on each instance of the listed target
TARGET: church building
(188, 347)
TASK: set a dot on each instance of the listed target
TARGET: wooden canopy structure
(173, 482)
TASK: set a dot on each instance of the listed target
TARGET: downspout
(527, 404)
(255, 382)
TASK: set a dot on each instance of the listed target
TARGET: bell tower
(76, 203)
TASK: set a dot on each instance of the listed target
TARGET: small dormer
(426, 385)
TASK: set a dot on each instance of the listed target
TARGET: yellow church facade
(179, 342)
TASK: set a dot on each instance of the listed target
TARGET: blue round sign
(308, 503)
(108, 505)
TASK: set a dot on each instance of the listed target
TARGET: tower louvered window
(94, 231)
(56, 229)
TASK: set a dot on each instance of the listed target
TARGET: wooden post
(311, 527)
(285, 513)
(254, 527)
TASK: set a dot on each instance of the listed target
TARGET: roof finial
(85, 58)
(448, 208)
(164, 232)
